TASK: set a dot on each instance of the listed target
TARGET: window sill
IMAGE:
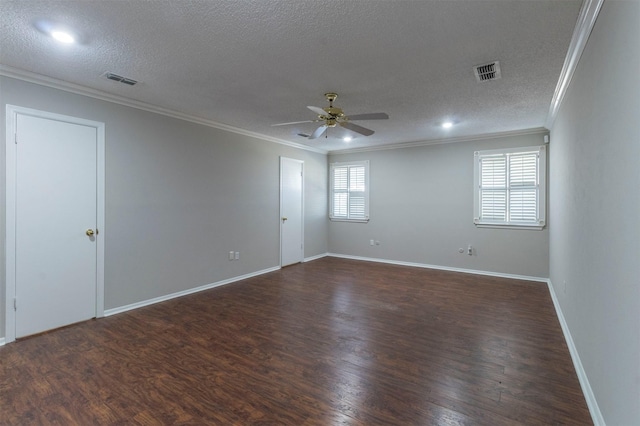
(333, 219)
(510, 226)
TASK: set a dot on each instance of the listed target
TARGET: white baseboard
(594, 410)
(1, 341)
(442, 268)
(596, 415)
(316, 257)
(114, 311)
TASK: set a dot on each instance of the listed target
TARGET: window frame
(540, 186)
(347, 165)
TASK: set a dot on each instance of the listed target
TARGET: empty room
(348, 212)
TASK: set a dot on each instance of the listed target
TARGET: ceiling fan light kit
(333, 116)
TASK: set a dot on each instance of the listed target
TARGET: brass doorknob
(284, 218)
(89, 232)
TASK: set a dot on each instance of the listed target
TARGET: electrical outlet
(230, 255)
(237, 255)
(371, 242)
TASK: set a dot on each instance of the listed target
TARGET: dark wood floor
(329, 342)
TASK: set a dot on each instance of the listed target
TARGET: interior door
(56, 218)
(291, 211)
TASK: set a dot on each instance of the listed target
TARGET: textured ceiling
(250, 64)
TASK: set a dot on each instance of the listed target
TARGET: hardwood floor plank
(327, 342)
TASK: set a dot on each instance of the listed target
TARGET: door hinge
(15, 303)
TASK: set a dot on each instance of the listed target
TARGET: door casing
(12, 113)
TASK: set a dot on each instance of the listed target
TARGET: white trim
(333, 219)
(97, 94)
(103, 96)
(100, 218)
(164, 298)
(441, 268)
(541, 187)
(584, 25)
(10, 227)
(1, 341)
(596, 415)
(486, 136)
(12, 112)
(367, 190)
(316, 257)
(520, 227)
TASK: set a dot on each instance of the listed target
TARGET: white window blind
(510, 187)
(349, 199)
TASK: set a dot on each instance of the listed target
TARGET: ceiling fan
(332, 116)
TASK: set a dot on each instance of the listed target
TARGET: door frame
(11, 158)
(282, 159)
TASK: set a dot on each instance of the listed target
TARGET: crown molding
(104, 96)
(584, 25)
(537, 130)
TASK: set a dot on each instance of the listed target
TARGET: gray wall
(179, 197)
(595, 211)
(421, 211)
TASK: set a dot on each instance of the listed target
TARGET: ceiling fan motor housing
(334, 112)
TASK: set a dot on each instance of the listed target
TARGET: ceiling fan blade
(319, 132)
(357, 129)
(295, 122)
(318, 110)
(371, 116)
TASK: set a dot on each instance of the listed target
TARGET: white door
(56, 218)
(291, 211)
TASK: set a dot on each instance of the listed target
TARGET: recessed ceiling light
(63, 37)
(447, 125)
(347, 139)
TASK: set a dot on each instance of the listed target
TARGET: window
(349, 192)
(510, 188)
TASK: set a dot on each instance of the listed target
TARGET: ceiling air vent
(120, 79)
(486, 72)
